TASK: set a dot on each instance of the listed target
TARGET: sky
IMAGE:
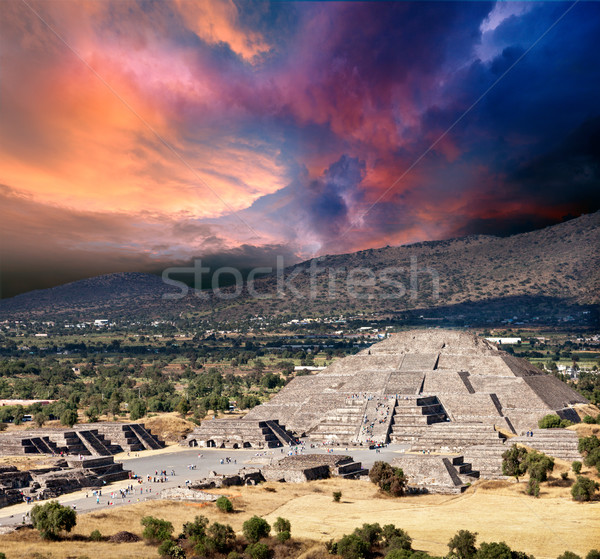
(136, 135)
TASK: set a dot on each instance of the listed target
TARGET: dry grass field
(544, 527)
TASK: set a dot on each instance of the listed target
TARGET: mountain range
(549, 272)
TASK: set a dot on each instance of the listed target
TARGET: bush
(564, 475)
(337, 495)
(399, 554)
(568, 555)
(389, 479)
(494, 550)
(369, 533)
(576, 467)
(462, 544)
(234, 555)
(256, 528)
(171, 549)
(538, 465)
(589, 420)
(196, 530)
(593, 458)
(395, 538)
(50, 519)
(282, 525)
(592, 554)
(584, 489)
(514, 461)
(224, 504)
(258, 551)
(587, 444)
(220, 538)
(284, 536)
(533, 487)
(352, 547)
(96, 536)
(550, 421)
(156, 530)
(69, 418)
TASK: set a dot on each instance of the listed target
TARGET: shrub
(171, 549)
(156, 530)
(284, 536)
(395, 538)
(51, 518)
(196, 530)
(593, 457)
(256, 528)
(568, 555)
(69, 418)
(550, 421)
(593, 554)
(533, 487)
(2, 555)
(389, 479)
(369, 533)
(584, 489)
(258, 551)
(224, 504)
(399, 554)
(352, 547)
(576, 467)
(494, 550)
(220, 538)
(282, 525)
(587, 444)
(462, 544)
(96, 536)
(337, 495)
(234, 555)
(589, 419)
(538, 465)
(564, 475)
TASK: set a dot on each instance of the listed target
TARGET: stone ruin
(90, 439)
(239, 433)
(63, 477)
(436, 390)
(308, 467)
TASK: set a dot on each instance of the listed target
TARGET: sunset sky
(139, 135)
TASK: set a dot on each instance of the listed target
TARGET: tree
(256, 528)
(352, 547)
(183, 407)
(584, 489)
(568, 555)
(513, 462)
(593, 554)
(224, 504)
(533, 487)
(576, 467)
(196, 530)
(92, 414)
(137, 410)
(39, 419)
(587, 444)
(156, 530)
(221, 538)
(258, 551)
(69, 417)
(52, 518)
(389, 479)
(282, 525)
(494, 550)
(395, 538)
(370, 533)
(171, 549)
(462, 544)
(538, 465)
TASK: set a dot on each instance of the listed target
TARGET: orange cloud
(218, 22)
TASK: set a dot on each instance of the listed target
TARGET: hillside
(556, 269)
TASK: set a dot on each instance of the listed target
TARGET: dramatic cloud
(136, 134)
